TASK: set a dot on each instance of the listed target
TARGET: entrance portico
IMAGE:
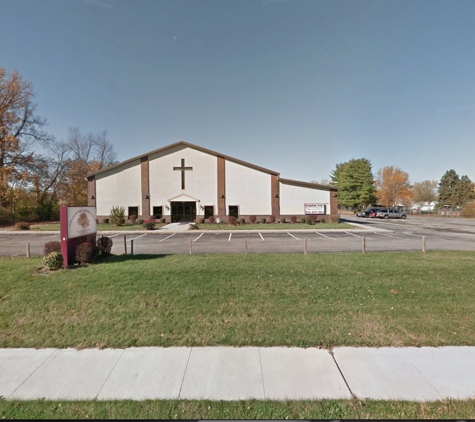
(183, 209)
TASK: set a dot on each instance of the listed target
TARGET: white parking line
(198, 237)
(261, 237)
(142, 235)
(328, 237)
(354, 235)
(382, 234)
(230, 234)
(293, 236)
(167, 237)
(48, 237)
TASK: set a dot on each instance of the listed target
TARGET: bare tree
(105, 153)
(425, 191)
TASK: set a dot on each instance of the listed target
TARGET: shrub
(53, 261)
(282, 220)
(303, 220)
(242, 221)
(232, 220)
(334, 218)
(293, 219)
(85, 253)
(201, 220)
(272, 219)
(133, 218)
(22, 225)
(6, 217)
(313, 217)
(54, 246)
(194, 226)
(150, 223)
(322, 220)
(252, 219)
(468, 210)
(117, 216)
(263, 220)
(104, 245)
(163, 220)
(105, 220)
(140, 220)
(211, 219)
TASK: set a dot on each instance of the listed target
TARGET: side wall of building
(119, 187)
(249, 189)
(293, 198)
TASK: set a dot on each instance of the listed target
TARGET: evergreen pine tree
(356, 181)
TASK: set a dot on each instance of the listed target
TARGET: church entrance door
(183, 212)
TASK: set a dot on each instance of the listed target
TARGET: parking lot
(380, 235)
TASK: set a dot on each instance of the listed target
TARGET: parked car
(370, 212)
(387, 213)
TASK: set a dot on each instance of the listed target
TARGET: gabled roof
(309, 184)
(185, 144)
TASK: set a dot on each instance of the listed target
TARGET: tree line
(391, 187)
(38, 173)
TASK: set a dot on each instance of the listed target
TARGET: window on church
(209, 211)
(234, 211)
(158, 212)
(133, 211)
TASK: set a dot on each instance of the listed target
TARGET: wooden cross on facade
(183, 169)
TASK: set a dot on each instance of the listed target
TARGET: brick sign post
(77, 225)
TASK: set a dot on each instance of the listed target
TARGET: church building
(185, 182)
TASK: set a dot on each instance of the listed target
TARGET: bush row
(233, 221)
(85, 252)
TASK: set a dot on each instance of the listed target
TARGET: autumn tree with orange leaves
(38, 173)
(20, 132)
(393, 187)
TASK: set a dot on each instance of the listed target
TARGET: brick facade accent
(333, 202)
(145, 186)
(221, 187)
(91, 191)
(275, 196)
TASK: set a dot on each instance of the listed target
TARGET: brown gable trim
(309, 185)
(186, 144)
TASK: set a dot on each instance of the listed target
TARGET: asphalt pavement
(410, 234)
(228, 373)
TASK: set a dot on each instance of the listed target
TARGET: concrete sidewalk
(228, 373)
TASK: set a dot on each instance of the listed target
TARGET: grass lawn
(245, 409)
(278, 226)
(325, 300)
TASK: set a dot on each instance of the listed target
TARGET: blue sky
(296, 86)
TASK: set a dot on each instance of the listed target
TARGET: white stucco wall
(293, 198)
(200, 183)
(119, 187)
(248, 188)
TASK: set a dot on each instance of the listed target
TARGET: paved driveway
(380, 235)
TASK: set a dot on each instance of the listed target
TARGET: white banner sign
(314, 209)
(81, 221)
